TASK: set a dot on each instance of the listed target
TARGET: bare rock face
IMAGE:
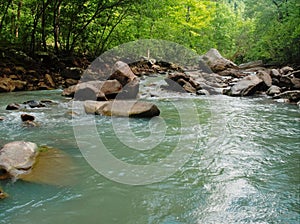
(17, 158)
(216, 61)
(121, 108)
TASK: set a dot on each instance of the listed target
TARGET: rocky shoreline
(214, 75)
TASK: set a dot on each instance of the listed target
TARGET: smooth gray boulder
(17, 158)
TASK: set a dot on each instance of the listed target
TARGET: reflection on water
(244, 169)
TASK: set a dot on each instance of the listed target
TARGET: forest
(242, 30)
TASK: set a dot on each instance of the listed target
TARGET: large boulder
(92, 90)
(245, 87)
(129, 81)
(265, 77)
(122, 108)
(216, 61)
(17, 158)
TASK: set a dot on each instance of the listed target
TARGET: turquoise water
(244, 166)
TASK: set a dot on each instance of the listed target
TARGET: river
(244, 165)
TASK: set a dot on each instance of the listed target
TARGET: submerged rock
(1, 118)
(34, 104)
(53, 167)
(27, 117)
(122, 108)
(17, 158)
(26, 161)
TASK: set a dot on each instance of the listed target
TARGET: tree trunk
(18, 17)
(56, 25)
(33, 32)
(44, 26)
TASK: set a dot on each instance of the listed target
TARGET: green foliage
(241, 30)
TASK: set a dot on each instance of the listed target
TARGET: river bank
(213, 75)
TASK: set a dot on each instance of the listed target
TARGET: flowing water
(244, 166)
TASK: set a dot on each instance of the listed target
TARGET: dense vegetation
(242, 30)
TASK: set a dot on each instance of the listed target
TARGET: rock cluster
(114, 96)
(29, 104)
(225, 77)
(45, 71)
